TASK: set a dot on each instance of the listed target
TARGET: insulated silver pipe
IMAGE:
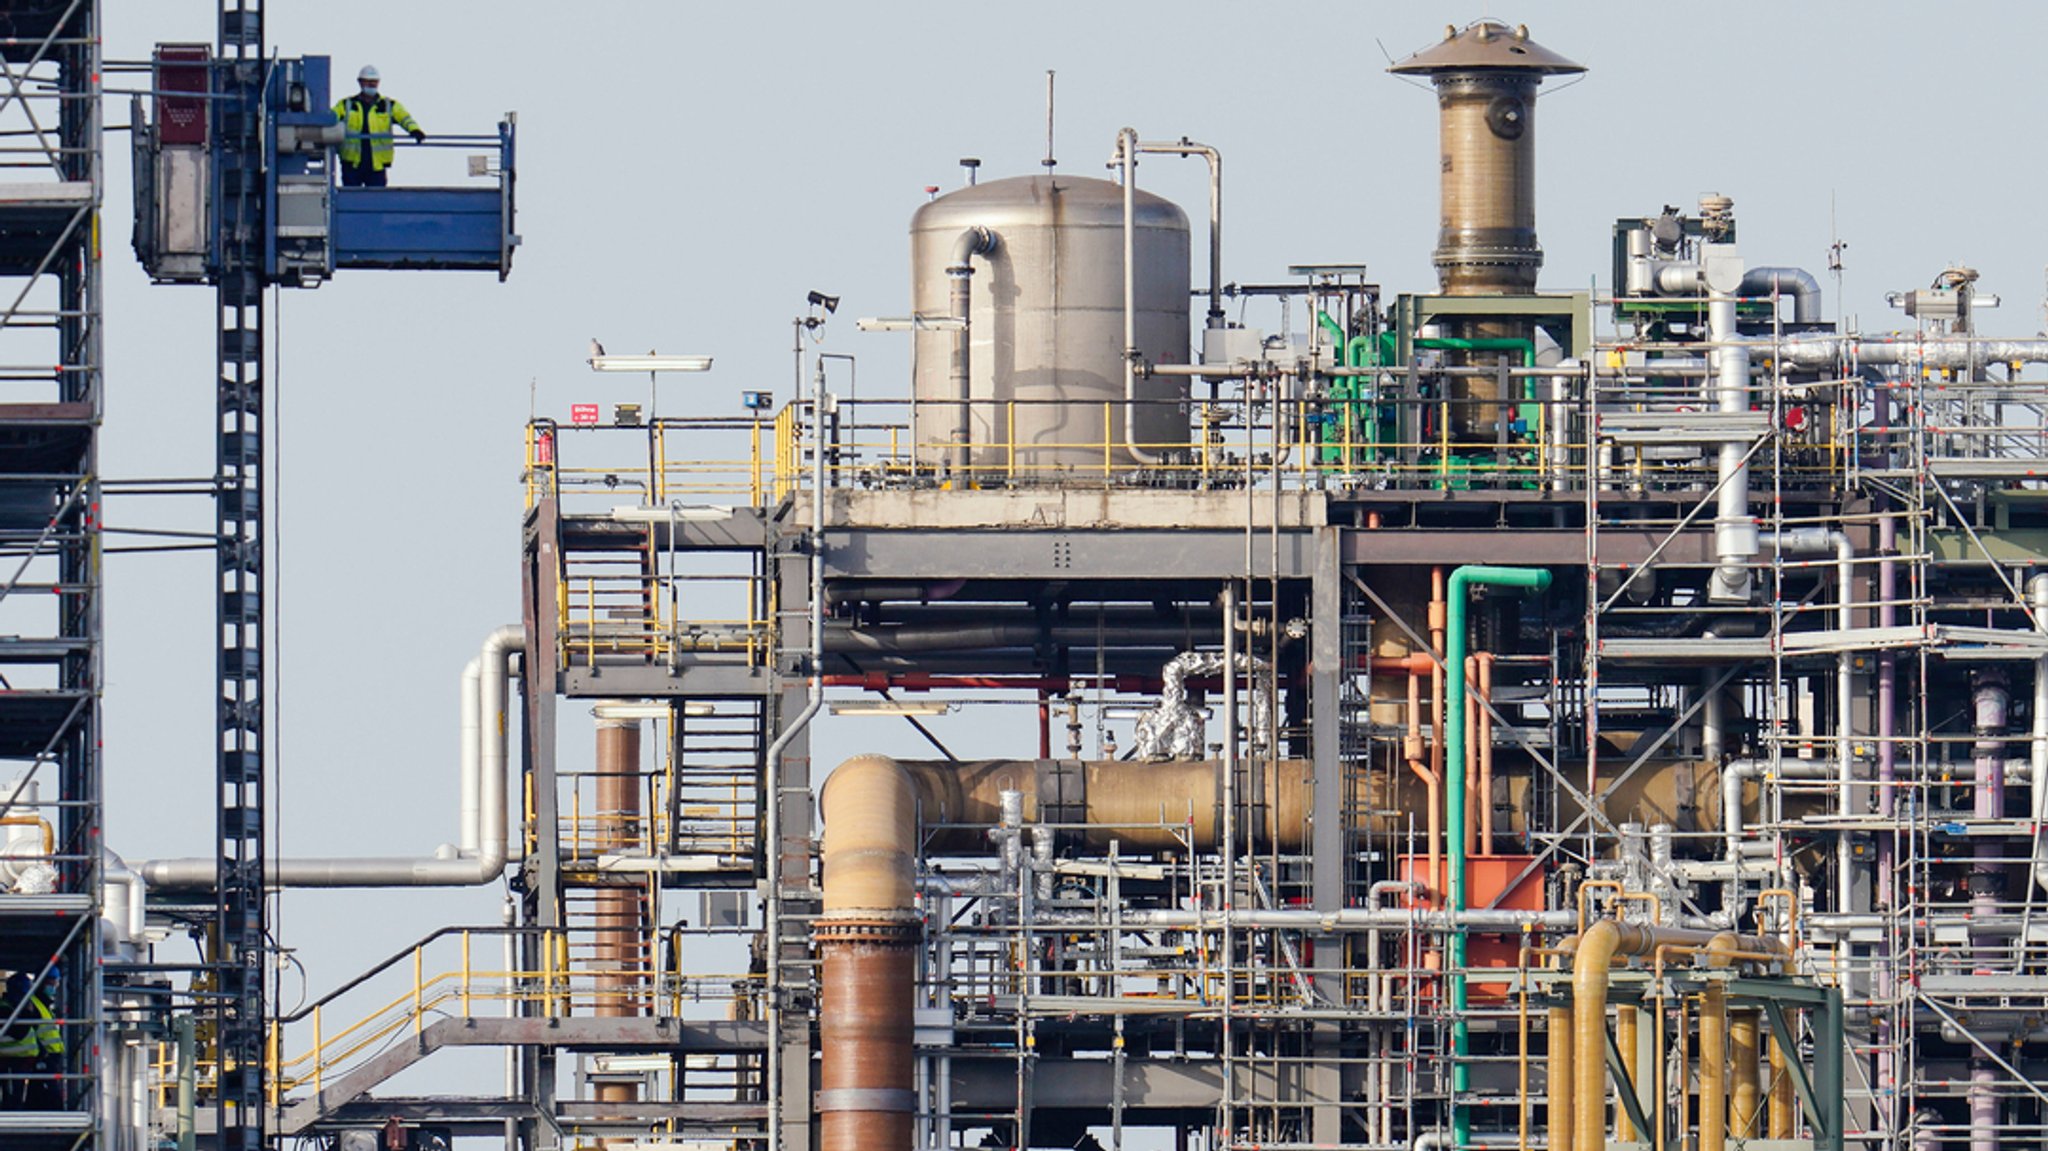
(1809, 541)
(1187, 147)
(1904, 350)
(1351, 919)
(451, 867)
(1735, 536)
(2037, 750)
(814, 687)
(1797, 283)
(126, 906)
(1127, 159)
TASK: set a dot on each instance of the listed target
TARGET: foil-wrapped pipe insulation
(1905, 350)
(1173, 729)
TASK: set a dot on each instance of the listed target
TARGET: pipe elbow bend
(869, 806)
(973, 241)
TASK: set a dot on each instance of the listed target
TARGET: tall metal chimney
(1486, 78)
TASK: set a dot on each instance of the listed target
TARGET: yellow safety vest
(26, 1041)
(374, 120)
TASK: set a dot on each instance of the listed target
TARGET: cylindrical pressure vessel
(1045, 334)
(1486, 77)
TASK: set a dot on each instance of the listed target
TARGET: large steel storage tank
(1046, 327)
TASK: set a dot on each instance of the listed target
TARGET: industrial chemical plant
(1460, 715)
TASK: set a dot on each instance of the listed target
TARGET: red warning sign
(582, 413)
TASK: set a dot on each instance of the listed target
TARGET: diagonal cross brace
(1781, 1030)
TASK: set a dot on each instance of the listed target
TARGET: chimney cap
(1486, 46)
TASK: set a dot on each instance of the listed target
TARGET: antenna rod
(1048, 161)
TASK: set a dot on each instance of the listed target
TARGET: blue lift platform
(183, 173)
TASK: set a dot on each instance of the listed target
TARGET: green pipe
(1462, 581)
(1336, 332)
(1491, 344)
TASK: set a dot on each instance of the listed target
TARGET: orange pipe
(1470, 767)
(1485, 742)
(1431, 782)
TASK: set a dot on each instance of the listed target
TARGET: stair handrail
(405, 954)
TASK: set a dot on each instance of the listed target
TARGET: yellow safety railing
(559, 987)
(640, 613)
(587, 833)
(1293, 442)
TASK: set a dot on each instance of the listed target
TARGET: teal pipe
(1336, 332)
(1490, 344)
(1462, 582)
(1494, 344)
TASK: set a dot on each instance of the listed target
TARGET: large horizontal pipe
(483, 768)
(965, 636)
(1142, 806)
(1904, 350)
(1127, 664)
(1352, 919)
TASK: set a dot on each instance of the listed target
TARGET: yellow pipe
(1107, 436)
(49, 833)
(1559, 1063)
(1590, 886)
(1779, 1120)
(1742, 1054)
(1780, 1108)
(270, 1057)
(1625, 1037)
(1714, 1050)
(1598, 946)
(1521, 1044)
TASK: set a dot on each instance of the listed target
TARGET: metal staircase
(714, 795)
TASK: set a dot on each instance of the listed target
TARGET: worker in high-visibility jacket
(31, 1049)
(369, 117)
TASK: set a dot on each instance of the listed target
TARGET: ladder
(714, 790)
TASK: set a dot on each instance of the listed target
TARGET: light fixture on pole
(890, 707)
(647, 709)
(653, 363)
(910, 323)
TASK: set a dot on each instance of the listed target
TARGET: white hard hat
(368, 75)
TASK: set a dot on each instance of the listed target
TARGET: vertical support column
(240, 750)
(540, 595)
(73, 260)
(1326, 672)
(791, 793)
(1828, 1058)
